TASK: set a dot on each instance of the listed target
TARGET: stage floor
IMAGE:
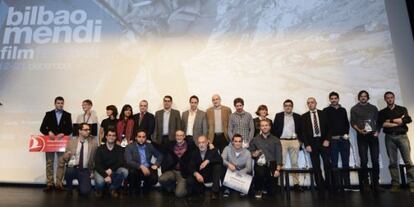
(27, 196)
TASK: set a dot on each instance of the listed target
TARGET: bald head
(216, 99)
(202, 143)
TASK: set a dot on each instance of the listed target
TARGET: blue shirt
(58, 114)
(142, 155)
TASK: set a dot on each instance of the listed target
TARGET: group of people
(197, 147)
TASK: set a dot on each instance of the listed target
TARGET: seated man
(205, 166)
(176, 164)
(267, 151)
(236, 158)
(138, 158)
(79, 156)
(109, 160)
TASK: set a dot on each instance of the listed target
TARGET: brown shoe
(59, 188)
(395, 189)
(48, 189)
(114, 194)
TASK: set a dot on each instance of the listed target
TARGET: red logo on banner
(42, 143)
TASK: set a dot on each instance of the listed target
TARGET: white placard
(237, 181)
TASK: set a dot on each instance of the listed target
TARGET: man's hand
(211, 146)
(276, 174)
(308, 149)
(144, 170)
(325, 143)
(398, 121)
(376, 134)
(256, 153)
(154, 167)
(199, 177)
(204, 164)
(67, 155)
(51, 135)
(108, 179)
(60, 136)
(108, 172)
(231, 167)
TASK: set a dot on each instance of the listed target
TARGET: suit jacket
(49, 123)
(147, 124)
(278, 125)
(133, 160)
(199, 126)
(225, 115)
(307, 127)
(173, 126)
(92, 146)
(211, 154)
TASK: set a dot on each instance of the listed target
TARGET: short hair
(125, 108)
(193, 96)
(110, 129)
(266, 120)
(388, 93)
(262, 107)
(88, 101)
(144, 101)
(236, 135)
(362, 92)
(81, 125)
(288, 101)
(141, 130)
(238, 100)
(113, 109)
(169, 97)
(333, 93)
(59, 98)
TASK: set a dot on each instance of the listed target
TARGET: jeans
(117, 178)
(341, 146)
(394, 143)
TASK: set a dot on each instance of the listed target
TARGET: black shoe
(69, 193)
(378, 189)
(214, 196)
(298, 188)
(59, 188)
(48, 189)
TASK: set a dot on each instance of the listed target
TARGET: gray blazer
(173, 126)
(200, 124)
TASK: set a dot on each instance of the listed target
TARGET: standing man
(241, 122)
(394, 120)
(194, 121)
(339, 130)
(317, 139)
(167, 122)
(287, 126)
(56, 124)
(138, 157)
(80, 158)
(109, 161)
(144, 120)
(267, 152)
(364, 118)
(218, 123)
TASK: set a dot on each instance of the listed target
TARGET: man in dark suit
(167, 122)
(287, 127)
(144, 120)
(56, 124)
(138, 158)
(316, 138)
(205, 167)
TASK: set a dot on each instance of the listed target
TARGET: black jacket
(211, 154)
(278, 124)
(307, 128)
(147, 124)
(49, 123)
(171, 160)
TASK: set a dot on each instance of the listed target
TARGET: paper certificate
(237, 181)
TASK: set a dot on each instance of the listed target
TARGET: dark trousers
(220, 141)
(370, 142)
(83, 177)
(340, 147)
(318, 152)
(210, 174)
(136, 176)
(263, 177)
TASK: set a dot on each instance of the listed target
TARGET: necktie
(315, 124)
(81, 156)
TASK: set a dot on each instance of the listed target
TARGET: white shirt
(313, 123)
(190, 122)
(218, 125)
(166, 122)
(85, 153)
(288, 127)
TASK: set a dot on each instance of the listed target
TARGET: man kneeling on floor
(206, 164)
(109, 161)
